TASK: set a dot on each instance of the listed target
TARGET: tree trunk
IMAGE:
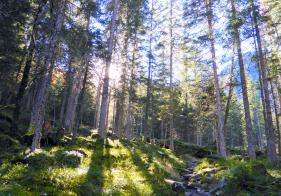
(37, 115)
(249, 128)
(28, 61)
(221, 142)
(67, 85)
(103, 109)
(82, 94)
(77, 84)
(230, 92)
(271, 150)
(171, 105)
(276, 115)
(148, 88)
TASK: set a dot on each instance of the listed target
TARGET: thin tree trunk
(171, 106)
(82, 94)
(221, 137)
(276, 116)
(98, 96)
(249, 128)
(148, 88)
(108, 105)
(230, 92)
(103, 109)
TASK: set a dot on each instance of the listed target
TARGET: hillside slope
(91, 167)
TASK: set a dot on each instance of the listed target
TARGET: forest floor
(91, 166)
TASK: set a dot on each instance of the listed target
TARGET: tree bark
(221, 137)
(276, 115)
(148, 87)
(249, 128)
(271, 150)
(67, 85)
(230, 92)
(28, 61)
(37, 115)
(171, 106)
(103, 108)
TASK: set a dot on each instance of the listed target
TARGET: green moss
(244, 177)
(110, 167)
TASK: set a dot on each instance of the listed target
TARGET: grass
(121, 167)
(243, 177)
(111, 167)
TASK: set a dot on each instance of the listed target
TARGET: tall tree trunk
(221, 137)
(103, 109)
(121, 93)
(37, 115)
(77, 83)
(148, 87)
(129, 124)
(28, 61)
(72, 101)
(260, 82)
(230, 92)
(65, 92)
(108, 105)
(249, 127)
(98, 96)
(276, 115)
(171, 106)
(82, 94)
(271, 150)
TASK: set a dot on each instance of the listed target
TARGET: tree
(220, 131)
(271, 150)
(104, 99)
(37, 115)
(250, 137)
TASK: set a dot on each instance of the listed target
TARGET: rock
(196, 177)
(178, 187)
(203, 193)
(190, 190)
(260, 169)
(84, 131)
(197, 185)
(192, 163)
(222, 183)
(186, 171)
(210, 170)
(71, 158)
(276, 181)
(201, 153)
(186, 177)
(39, 159)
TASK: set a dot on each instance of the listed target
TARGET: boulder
(39, 160)
(260, 169)
(72, 158)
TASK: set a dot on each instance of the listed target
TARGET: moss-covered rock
(72, 158)
(40, 160)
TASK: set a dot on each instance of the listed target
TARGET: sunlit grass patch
(117, 167)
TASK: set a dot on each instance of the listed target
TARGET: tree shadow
(100, 163)
(152, 176)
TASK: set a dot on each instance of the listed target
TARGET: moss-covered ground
(121, 167)
(110, 167)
